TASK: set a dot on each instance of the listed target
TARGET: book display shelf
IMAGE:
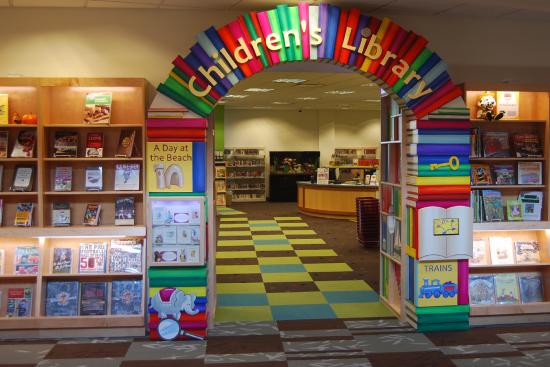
(360, 160)
(220, 179)
(510, 271)
(392, 223)
(246, 177)
(58, 107)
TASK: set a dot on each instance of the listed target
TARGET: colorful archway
(439, 239)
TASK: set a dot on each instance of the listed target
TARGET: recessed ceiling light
(372, 100)
(259, 90)
(306, 98)
(261, 107)
(340, 92)
(369, 85)
(310, 85)
(280, 103)
(236, 96)
(289, 81)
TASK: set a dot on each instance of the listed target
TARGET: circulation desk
(332, 200)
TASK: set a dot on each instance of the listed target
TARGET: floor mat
(280, 269)
(224, 210)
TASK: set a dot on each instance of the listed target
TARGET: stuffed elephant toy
(171, 301)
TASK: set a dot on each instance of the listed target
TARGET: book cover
(125, 212)
(62, 298)
(527, 145)
(127, 176)
(531, 202)
(19, 302)
(514, 210)
(126, 297)
(92, 257)
(93, 298)
(23, 215)
(24, 145)
(530, 287)
(502, 250)
(220, 172)
(63, 180)
(191, 254)
(529, 173)
(126, 143)
(94, 145)
(125, 256)
(508, 103)
(62, 260)
(481, 174)
(482, 289)
(504, 174)
(527, 252)
(220, 186)
(4, 109)
(92, 215)
(480, 253)
(492, 205)
(65, 144)
(23, 178)
(506, 288)
(3, 144)
(97, 108)
(61, 214)
(496, 144)
(94, 179)
(436, 283)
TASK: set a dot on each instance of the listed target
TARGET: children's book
(19, 302)
(514, 210)
(24, 145)
(27, 260)
(61, 214)
(125, 256)
(23, 178)
(23, 215)
(92, 215)
(502, 250)
(530, 173)
(480, 254)
(482, 289)
(527, 145)
(126, 143)
(481, 174)
(92, 257)
(527, 252)
(504, 174)
(127, 176)
(62, 260)
(94, 179)
(530, 287)
(125, 212)
(507, 290)
(93, 298)
(97, 108)
(62, 298)
(94, 145)
(531, 201)
(492, 206)
(65, 144)
(126, 296)
(496, 144)
(63, 179)
(3, 144)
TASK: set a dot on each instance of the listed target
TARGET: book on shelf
(220, 172)
(504, 174)
(63, 180)
(530, 173)
(527, 252)
(2, 262)
(126, 142)
(220, 186)
(220, 199)
(27, 260)
(94, 145)
(508, 103)
(496, 144)
(24, 144)
(1, 211)
(65, 144)
(125, 256)
(126, 296)
(97, 108)
(1, 176)
(506, 289)
(481, 174)
(23, 179)
(531, 202)
(127, 176)
(92, 257)
(61, 214)
(94, 179)
(527, 145)
(4, 144)
(4, 109)
(93, 298)
(480, 254)
(23, 215)
(531, 287)
(19, 302)
(475, 143)
(62, 298)
(125, 212)
(481, 289)
(62, 260)
(502, 250)
(92, 214)
(492, 206)
(514, 210)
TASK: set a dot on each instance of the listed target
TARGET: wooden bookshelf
(59, 106)
(237, 163)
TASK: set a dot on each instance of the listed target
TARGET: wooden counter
(331, 200)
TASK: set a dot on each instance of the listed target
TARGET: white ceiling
(532, 10)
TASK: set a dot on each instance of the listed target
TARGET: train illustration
(436, 289)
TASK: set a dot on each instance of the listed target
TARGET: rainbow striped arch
(396, 59)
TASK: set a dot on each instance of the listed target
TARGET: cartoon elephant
(171, 301)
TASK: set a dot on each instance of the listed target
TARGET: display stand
(245, 173)
(59, 106)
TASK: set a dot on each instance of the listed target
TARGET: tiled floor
(280, 269)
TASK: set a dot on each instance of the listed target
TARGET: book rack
(59, 106)
(246, 176)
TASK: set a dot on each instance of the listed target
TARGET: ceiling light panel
(306, 98)
(289, 81)
(236, 96)
(259, 90)
(339, 92)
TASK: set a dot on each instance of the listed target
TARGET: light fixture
(289, 81)
(261, 107)
(259, 90)
(281, 103)
(369, 85)
(236, 96)
(371, 100)
(306, 98)
(340, 92)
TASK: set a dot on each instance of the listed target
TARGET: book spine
(284, 23)
(303, 22)
(409, 57)
(211, 50)
(385, 43)
(177, 123)
(417, 64)
(463, 272)
(239, 35)
(313, 27)
(192, 61)
(352, 22)
(341, 30)
(333, 17)
(294, 17)
(187, 99)
(362, 24)
(378, 37)
(199, 167)
(432, 61)
(207, 63)
(276, 28)
(263, 20)
(323, 24)
(231, 45)
(405, 47)
(180, 64)
(216, 40)
(398, 40)
(251, 22)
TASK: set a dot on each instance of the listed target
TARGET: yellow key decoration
(453, 163)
